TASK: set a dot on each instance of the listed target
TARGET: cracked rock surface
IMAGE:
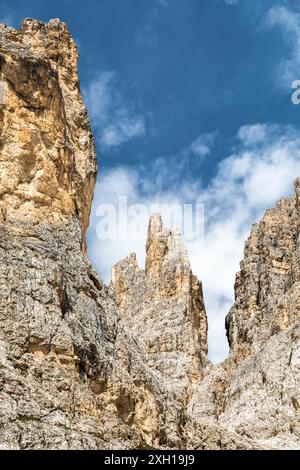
(255, 392)
(84, 366)
(71, 376)
(163, 305)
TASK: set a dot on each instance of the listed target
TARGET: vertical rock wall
(164, 307)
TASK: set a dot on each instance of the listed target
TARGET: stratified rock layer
(163, 305)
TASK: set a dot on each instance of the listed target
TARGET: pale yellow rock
(71, 377)
(163, 305)
(255, 392)
(83, 366)
(48, 164)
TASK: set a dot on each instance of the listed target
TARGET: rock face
(264, 327)
(48, 164)
(255, 393)
(70, 375)
(268, 285)
(83, 366)
(163, 305)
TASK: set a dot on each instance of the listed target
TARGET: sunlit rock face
(70, 375)
(163, 305)
(255, 393)
(84, 366)
(48, 164)
(268, 284)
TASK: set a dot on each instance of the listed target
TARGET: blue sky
(190, 101)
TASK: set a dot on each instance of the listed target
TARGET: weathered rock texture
(48, 164)
(268, 285)
(70, 377)
(255, 393)
(87, 367)
(163, 305)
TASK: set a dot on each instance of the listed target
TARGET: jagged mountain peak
(83, 366)
(164, 306)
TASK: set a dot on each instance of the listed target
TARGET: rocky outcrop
(83, 366)
(71, 376)
(48, 164)
(268, 284)
(255, 393)
(163, 305)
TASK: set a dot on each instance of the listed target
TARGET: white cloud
(203, 144)
(253, 134)
(247, 183)
(262, 168)
(289, 23)
(138, 189)
(115, 120)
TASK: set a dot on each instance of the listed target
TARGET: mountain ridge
(86, 366)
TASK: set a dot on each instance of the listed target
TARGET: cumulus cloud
(203, 144)
(261, 168)
(140, 193)
(115, 120)
(247, 183)
(289, 23)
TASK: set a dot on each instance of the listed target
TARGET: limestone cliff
(48, 164)
(268, 284)
(71, 376)
(163, 305)
(255, 393)
(83, 366)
